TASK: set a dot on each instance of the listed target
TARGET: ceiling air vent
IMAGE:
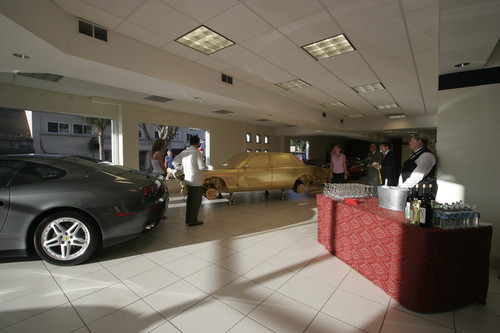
(92, 30)
(42, 76)
(156, 98)
(227, 79)
(223, 111)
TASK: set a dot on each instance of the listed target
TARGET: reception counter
(425, 269)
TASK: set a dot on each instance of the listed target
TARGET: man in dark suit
(389, 169)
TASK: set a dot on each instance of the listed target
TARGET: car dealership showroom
(91, 241)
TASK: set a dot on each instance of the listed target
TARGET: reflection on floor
(252, 267)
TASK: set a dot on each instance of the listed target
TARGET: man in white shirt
(193, 164)
(420, 168)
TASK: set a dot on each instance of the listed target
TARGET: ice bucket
(392, 197)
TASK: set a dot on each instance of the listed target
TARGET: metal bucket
(392, 197)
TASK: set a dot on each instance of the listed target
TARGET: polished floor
(252, 267)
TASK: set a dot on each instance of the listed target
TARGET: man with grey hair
(372, 159)
(420, 168)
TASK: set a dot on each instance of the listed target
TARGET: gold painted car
(262, 171)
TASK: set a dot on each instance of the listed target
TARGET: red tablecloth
(424, 269)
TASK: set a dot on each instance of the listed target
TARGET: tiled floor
(252, 267)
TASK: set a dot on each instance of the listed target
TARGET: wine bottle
(425, 208)
(415, 208)
(408, 210)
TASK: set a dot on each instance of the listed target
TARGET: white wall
(468, 139)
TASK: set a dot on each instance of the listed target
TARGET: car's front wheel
(66, 238)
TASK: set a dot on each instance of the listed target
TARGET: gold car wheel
(211, 193)
(300, 188)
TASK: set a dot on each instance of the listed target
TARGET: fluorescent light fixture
(396, 116)
(357, 115)
(369, 87)
(336, 103)
(329, 47)
(387, 106)
(205, 40)
(293, 84)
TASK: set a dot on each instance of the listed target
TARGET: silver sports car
(64, 207)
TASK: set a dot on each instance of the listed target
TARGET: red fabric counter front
(425, 269)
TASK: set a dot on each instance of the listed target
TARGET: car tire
(211, 193)
(299, 187)
(66, 238)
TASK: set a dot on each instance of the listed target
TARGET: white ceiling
(405, 44)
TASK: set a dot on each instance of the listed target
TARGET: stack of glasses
(339, 192)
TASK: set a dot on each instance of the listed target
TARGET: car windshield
(235, 161)
(99, 164)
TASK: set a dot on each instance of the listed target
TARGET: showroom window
(257, 138)
(266, 139)
(249, 137)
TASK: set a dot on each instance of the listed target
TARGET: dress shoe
(195, 223)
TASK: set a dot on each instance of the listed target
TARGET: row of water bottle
(455, 215)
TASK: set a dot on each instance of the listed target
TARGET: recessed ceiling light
(463, 64)
(293, 84)
(205, 40)
(20, 56)
(369, 87)
(329, 47)
(396, 116)
(336, 103)
(387, 106)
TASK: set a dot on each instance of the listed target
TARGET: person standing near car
(157, 158)
(373, 158)
(338, 165)
(192, 162)
(168, 163)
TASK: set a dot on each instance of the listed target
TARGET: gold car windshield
(235, 161)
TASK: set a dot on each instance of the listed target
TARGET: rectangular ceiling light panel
(205, 40)
(293, 84)
(369, 87)
(387, 106)
(396, 116)
(329, 47)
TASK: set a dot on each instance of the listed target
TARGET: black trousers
(338, 178)
(193, 203)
